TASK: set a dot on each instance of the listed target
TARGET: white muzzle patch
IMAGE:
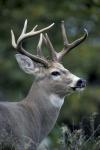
(74, 80)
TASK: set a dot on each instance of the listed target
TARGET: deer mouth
(78, 88)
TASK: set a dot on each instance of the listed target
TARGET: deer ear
(25, 63)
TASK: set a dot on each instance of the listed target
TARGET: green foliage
(63, 138)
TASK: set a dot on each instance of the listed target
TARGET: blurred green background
(83, 61)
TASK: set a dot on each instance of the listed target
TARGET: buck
(24, 124)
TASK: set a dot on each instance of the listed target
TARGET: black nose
(81, 83)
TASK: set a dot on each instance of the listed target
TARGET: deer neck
(39, 99)
(40, 94)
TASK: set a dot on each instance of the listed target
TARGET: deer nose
(81, 83)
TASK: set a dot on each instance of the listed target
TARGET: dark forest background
(83, 61)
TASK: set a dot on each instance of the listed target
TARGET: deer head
(50, 74)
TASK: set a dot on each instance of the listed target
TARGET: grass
(77, 139)
(6, 147)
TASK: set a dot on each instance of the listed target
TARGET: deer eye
(55, 73)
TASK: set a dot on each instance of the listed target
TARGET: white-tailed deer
(24, 124)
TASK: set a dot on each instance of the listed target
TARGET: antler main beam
(18, 45)
(67, 46)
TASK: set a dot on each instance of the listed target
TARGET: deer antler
(18, 45)
(67, 46)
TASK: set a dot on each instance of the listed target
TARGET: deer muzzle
(80, 85)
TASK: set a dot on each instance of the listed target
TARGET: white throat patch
(56, 101)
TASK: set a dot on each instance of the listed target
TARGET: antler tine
(18, 45)
(13, 39)
(69, 46)
(50, 47)
(35, 28)
(31, 33)
(39, 49)
(24, 29)
(65, 39)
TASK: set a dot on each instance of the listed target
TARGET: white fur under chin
(80, 89)
(56, 101)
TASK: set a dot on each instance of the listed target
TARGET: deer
(24, 124)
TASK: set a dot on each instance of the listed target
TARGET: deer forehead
(57, 66)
